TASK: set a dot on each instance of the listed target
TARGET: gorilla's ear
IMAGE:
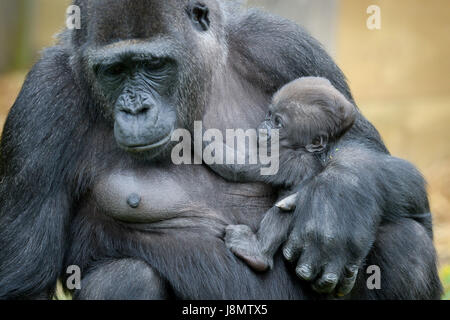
(199, 14)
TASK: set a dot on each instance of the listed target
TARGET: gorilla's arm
(39, 146)
(339, 213)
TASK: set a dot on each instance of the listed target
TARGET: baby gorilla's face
(308, 112)
(297, 127)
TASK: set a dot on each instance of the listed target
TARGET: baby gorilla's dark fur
(309, 114)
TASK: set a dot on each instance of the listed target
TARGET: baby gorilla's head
(309, 112)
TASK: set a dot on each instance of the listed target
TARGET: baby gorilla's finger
(257, 263)
(288, 204)
(348, 282)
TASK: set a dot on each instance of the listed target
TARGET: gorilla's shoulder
(277, 50)
(48, 108)
(49, 82)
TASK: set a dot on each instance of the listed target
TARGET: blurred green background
(400, 74)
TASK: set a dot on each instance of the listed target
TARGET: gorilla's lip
(147, 147)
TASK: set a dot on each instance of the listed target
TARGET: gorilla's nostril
(127, 111)
(136, 111)
(143, 110)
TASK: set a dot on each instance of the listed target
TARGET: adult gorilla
(87, 180)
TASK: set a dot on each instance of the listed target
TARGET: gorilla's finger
(328, 281)
(307, 268)
(306, 271)
(348, 282)
(292, 248)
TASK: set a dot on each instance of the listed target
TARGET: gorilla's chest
(154, 194)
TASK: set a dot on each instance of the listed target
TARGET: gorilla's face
(138, 85)
(150, 84)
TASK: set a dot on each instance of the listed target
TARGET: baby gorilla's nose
(264, 131)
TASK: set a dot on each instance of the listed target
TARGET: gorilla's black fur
(78, 124)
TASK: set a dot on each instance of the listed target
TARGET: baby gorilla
(310, 115)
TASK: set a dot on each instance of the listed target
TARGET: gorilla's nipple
(134, 200)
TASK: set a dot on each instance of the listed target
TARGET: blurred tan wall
(409, 56)
(319, 17)
(26, 26)
(51, 19)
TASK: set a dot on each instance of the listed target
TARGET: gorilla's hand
(334, 227)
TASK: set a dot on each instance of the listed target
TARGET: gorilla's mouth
(148, 132)
(146, 147)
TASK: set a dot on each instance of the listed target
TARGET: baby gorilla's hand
(242, 241)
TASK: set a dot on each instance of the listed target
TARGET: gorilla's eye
(278, 122)
(199, 14)
(154, 64)
(114, 70)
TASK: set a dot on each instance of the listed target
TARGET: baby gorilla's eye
(317, 141)
(278, 122)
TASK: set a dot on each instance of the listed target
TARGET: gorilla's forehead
(112, 20)
(139, 49)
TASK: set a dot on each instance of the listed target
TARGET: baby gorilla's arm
(257, 250)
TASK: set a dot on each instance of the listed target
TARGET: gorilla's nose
(133, 104)
(135, 109)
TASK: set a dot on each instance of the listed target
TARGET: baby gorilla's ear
(347, 112)
(318, 144)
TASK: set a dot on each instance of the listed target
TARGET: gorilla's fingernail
(134, 200)
(287, 252)
(304, 271)
(351, 271)
(330, 278)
